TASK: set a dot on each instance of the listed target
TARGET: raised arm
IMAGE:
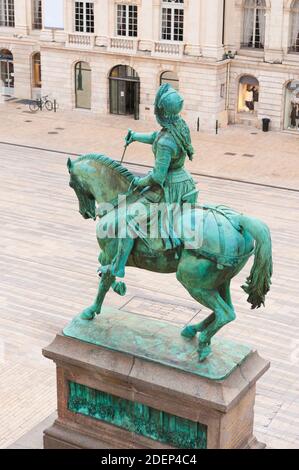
(139, 137)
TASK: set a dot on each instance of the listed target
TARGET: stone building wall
(208, 81)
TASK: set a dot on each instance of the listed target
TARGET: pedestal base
(126, 381)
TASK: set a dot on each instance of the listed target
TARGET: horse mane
(108, 163)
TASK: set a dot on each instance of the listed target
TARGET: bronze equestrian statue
(226, 238)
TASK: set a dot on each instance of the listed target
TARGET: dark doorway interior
(124, 91)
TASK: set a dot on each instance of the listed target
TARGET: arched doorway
(124, 87)
(171, 78)
(7, 72)
(83, 85)
(248, 94)
(291, 114)
(36, 75)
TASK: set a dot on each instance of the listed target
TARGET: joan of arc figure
(169, 180)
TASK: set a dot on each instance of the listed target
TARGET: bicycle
(41, 103)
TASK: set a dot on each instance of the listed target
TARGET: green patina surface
(137, 418)
(157, 341)
(224, 239)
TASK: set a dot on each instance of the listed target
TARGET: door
(7, 77)
(123, 96)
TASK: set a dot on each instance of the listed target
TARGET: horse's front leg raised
(107, 279)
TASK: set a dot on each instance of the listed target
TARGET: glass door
(7, 77)
(123, 96)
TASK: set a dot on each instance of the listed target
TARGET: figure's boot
(125, 246)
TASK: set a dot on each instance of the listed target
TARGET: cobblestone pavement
(237, 152)
(48, 261)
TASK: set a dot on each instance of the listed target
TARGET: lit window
(172, 20)
(84, 17)
(294, 22)
(37, 14)
(127, 18)
(254, 24)
(36, 65)
(7, 13)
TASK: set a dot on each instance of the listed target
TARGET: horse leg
(107, 279)
(191, 330)
(224, 314)
(202, 279)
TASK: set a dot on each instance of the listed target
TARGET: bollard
(217, 126)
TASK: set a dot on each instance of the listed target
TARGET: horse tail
(259, 281)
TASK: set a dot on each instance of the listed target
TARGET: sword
(124, 152)
(126, 146)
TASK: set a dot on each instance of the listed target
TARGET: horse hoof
(204, 352)
(189, 332)
(120, 288)
(88, 314)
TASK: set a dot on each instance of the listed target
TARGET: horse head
(87, 206)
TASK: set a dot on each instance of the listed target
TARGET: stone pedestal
(126, 381)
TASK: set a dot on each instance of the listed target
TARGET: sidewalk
(241, 153)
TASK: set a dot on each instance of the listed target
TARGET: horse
(205, 272)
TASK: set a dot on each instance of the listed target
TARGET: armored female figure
(169, 181)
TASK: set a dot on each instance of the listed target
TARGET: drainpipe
(223, 22)
(227, 86)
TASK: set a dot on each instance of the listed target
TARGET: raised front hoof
(204, 352)
(88, 314)
(189, 332)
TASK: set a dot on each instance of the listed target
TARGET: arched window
(248, 94)
(36, 71)
(124, 91)
(83, 85)
(291, 120)
(254, 23)
(7, 76)
(171, 78)
(294, 24)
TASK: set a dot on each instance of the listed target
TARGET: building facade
(234, 61)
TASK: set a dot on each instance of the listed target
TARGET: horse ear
(69, 164)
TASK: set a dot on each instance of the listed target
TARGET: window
(172, 20)
(294, 22)
(291, 120)
(84, 17)
(124, 91)
(126, 21)
(171, 78)
(83, 85)
(249, 89)
(36, 70)
(7, 13)
(37, 14)
(254, 24)
(7, 76)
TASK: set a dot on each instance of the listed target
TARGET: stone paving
(243, 153)
(48, 260)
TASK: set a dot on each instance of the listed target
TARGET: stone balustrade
(81, 40)
(167, 48)
(123, 44)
